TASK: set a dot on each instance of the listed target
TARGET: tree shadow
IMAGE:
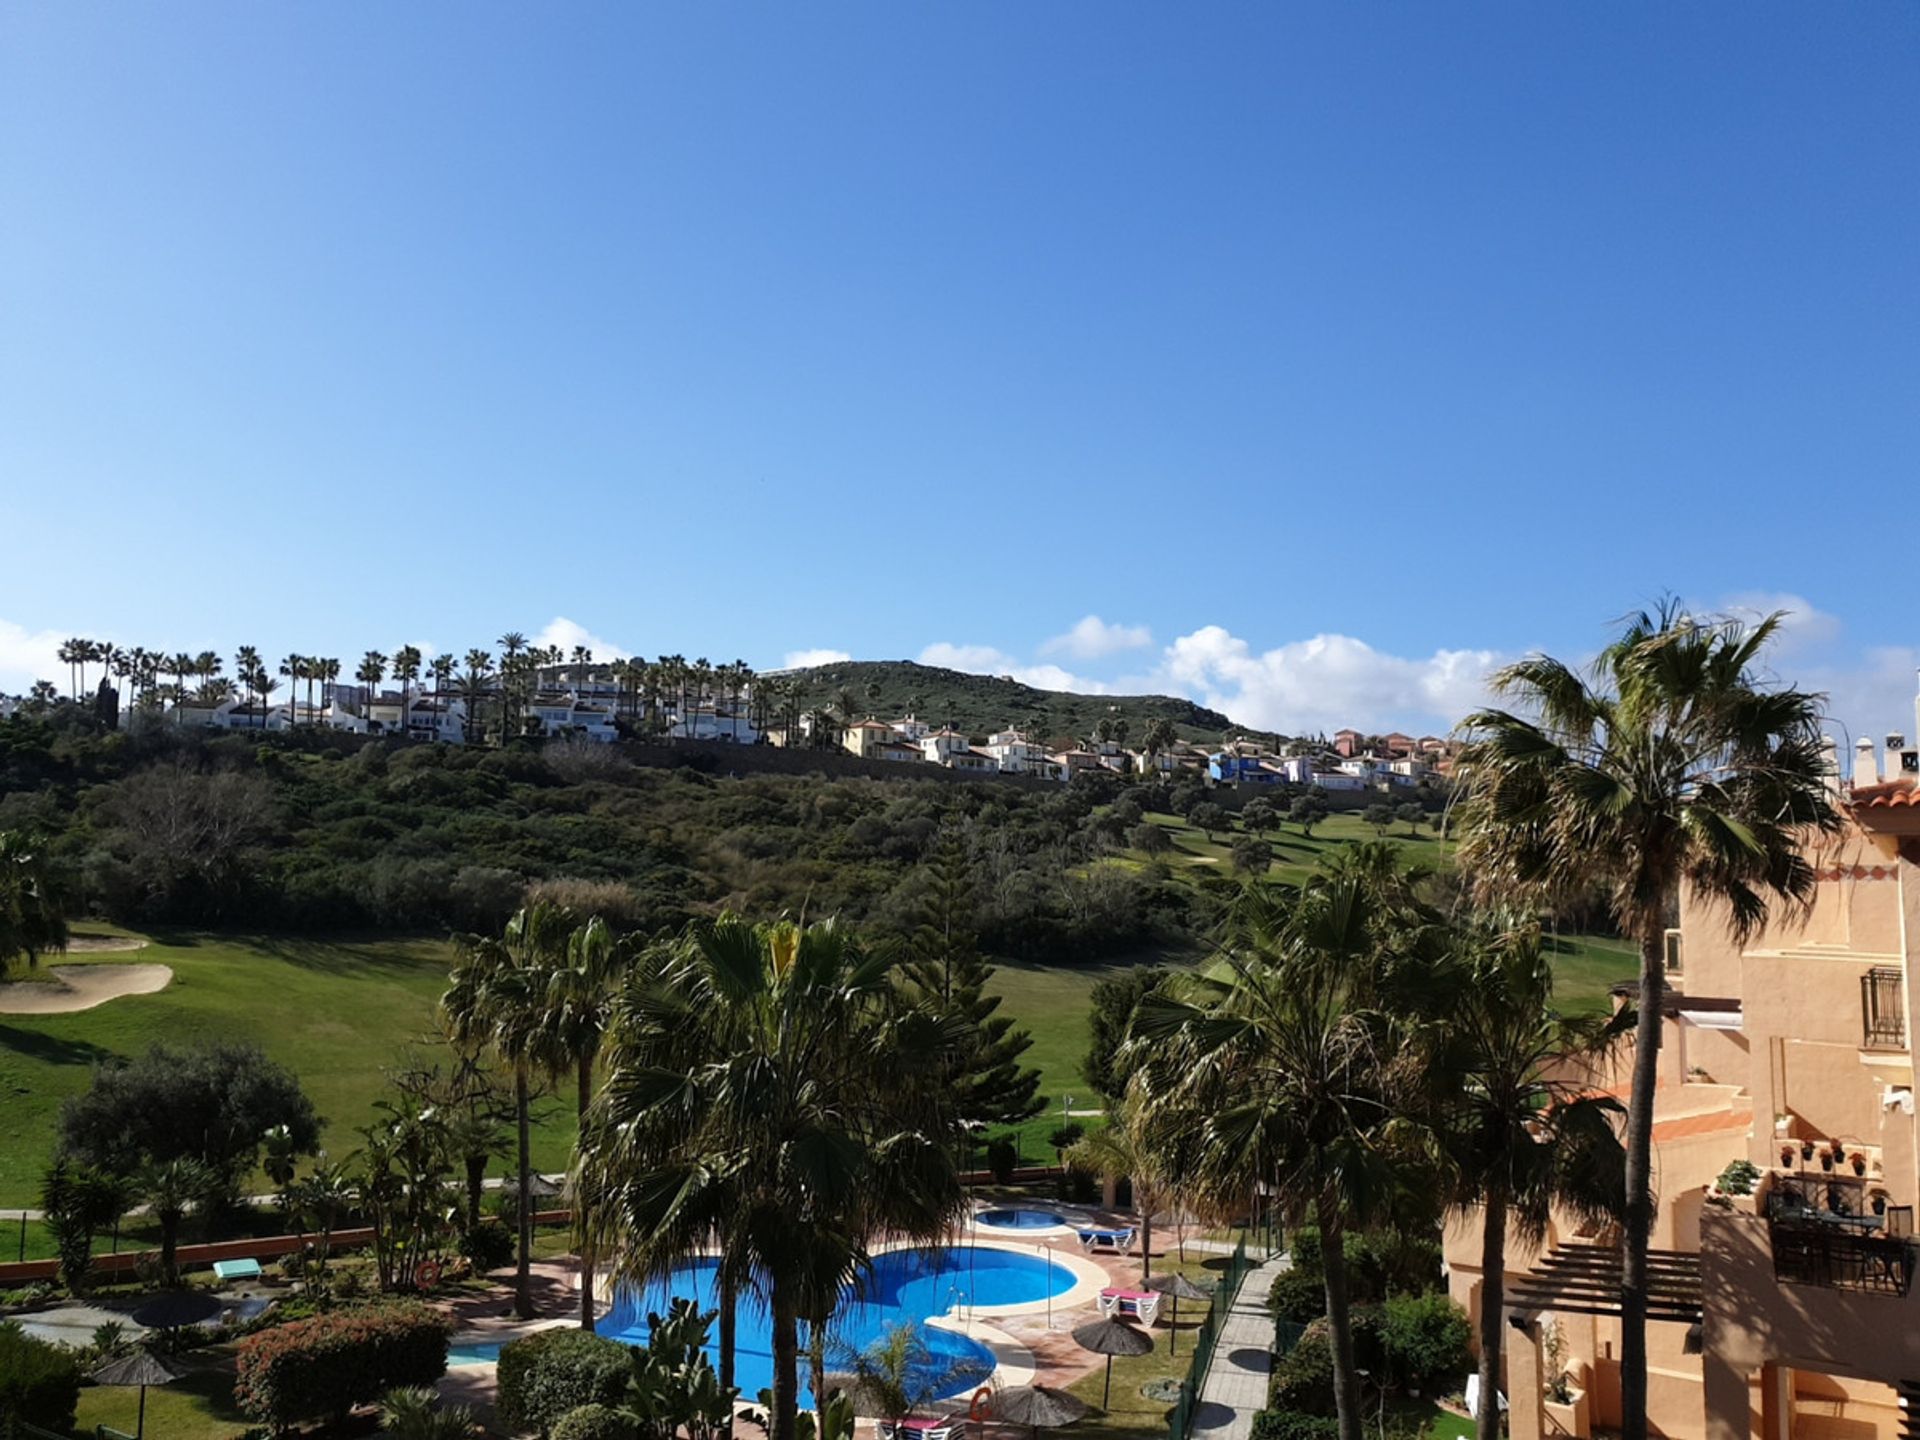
(342, 956)
(53, 1049)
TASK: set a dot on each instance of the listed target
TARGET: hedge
(325, 1366)
(1294, 1425)
(1426, 1339)
(39, 1382)
(544, 1375)
(594, 1422)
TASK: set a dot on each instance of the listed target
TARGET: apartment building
(1787, 1312)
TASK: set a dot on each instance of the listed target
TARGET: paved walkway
(1236, 1386)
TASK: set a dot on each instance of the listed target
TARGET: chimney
(1864, 772)
(1830, 763)
(1896, 742)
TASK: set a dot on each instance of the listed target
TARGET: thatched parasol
(1111, 1338)
(137, 1367)
(1037, 1407)
(1176, 1287)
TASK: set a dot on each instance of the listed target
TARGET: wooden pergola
(1585, 1280)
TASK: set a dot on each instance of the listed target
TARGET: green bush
(1425, 1338)
(1294, 1425)
(1003, 1158)
(544, 1375)
(39, 1382)
(325, 1366)
(1739, 1178)
(1297, 1295)
(488, 1245)
(594, 1422)
(1303, 1380)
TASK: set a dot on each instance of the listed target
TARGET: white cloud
(567, 633)
(1094, 638)
(807, 659)
(986, 660)
(29, 655)
(1326, 682)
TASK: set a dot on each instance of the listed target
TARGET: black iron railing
(1883, 1020)
(1815, 1250)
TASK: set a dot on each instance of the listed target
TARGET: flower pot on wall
(1806, 1149)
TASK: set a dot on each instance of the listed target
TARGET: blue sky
(1326, 353)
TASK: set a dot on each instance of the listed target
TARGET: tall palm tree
(1126, 1146)
(246, 669)
(1670, 762)
(406, 669)
(173, 1188)
(293, 668)
(1277, 1067)
(576, 1007)
(441, 669)
(206, 665)
(493, 999)
(1519, 1139)
(370, 672)
(773, 1077)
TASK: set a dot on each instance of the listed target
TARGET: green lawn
(336, 1012)
(194, 1407)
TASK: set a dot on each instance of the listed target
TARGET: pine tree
(947, 970)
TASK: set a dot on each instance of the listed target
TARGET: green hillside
(982, 703)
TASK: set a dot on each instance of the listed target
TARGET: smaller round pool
(1020, 1220)
(479, 1352)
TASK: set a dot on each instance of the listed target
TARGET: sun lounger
(1106, 1242)
(947, 1427)
(1142, 1305)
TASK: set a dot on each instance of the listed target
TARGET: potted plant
(1806, 1150)
(1565, 1402)
(1826, 1158)
(1786, 1154)
(1859, 1162)
(1879, 1202)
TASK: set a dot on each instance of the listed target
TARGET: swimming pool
(482, 1352)
(904, 1285)
(1021, 1220)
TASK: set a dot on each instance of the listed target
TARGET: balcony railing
(1883, 1019)
(1816, 1251)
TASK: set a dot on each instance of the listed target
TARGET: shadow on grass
(343, 956)
(53, 1049)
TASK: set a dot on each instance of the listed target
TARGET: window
(1883, 1022)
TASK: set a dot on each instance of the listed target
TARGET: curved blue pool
(904, 1285)
(1020, 1219)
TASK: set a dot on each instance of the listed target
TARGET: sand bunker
(101, 944)
(81, 987)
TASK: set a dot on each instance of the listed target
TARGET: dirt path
(81, 987)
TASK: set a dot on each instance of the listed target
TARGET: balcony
(1838, 1233)
(1883, 1018)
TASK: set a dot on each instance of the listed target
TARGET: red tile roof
(1886, 795)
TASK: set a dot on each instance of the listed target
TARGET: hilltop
(982, 703)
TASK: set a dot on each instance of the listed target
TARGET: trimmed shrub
(1297, 1295)
(1425, 1339)
(1294, 1425)
(1003, 1158)
(488, 1245)
(544, 1375)
(325, 1366)
(1303, 1380)
(594, 1422)
(39, 1382)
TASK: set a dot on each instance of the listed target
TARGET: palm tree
(406, 669)
(441, 669)
(577, 987)
(493, 1000)
(172, 1189)
(770, 1082)
(32, 918)
(371, 671)
(294, 668)
(582, 660)
(1671, 762)
(206, 665)
(1127, 1147)
(1275, 1067)
(246, 668)
(1519, 1141)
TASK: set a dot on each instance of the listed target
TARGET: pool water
(903, 1286)
(1021, 1219)
(484, 1352)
